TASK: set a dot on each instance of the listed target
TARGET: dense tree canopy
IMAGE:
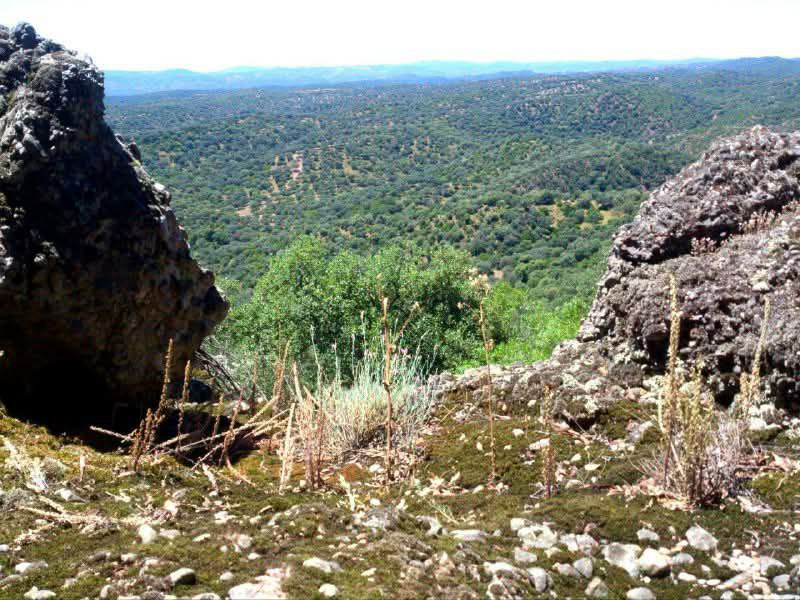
(529, 175)
(313, 203)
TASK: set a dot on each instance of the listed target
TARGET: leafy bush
(525, 329)
(326, 305)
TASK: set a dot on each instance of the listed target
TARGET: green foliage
(525, 329)
(529, 175)
(327, 306)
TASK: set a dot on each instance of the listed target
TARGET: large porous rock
(727, 228)
(95, 273)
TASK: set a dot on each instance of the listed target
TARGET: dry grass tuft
(701, 449)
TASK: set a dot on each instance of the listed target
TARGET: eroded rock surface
(95, 272)
(727, 228)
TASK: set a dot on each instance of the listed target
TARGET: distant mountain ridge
(128, 83)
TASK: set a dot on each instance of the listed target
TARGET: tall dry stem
(750, 383)
(699, 451)
(287, 453)
(697, 416)
(145, 434)
(387, 387)
(389, 343)
(487, 348)
(549, 458)
(312, 425)
(279, 372)
(218, 418)
(163, 403)
(229, 435)
(184, 399)
(668, 403)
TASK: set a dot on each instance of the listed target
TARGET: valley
(529, 175)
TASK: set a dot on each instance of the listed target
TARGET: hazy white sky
(208, 35)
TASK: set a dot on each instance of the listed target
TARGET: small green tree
(326, 306)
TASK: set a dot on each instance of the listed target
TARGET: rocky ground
(78, 523)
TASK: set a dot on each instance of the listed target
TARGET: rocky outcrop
(95, 273)
(736, 208)
(583, 379)
(728, 229)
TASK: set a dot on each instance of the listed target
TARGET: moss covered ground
(82, 542)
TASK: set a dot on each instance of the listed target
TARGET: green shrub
(526, 329)
(325, 304)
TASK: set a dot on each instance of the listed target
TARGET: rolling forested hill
(530, 175)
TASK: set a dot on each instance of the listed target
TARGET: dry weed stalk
(668, 403)
(137, 445)
(389, 342)
(312, 426)
(145, 435)
(487, 348)
(549, 458)
(218, 418)
(142, 440)
(252, 429)
(749, 383)
(287, 453)
(230, 436)
(387, 386)
(697, 419)
(280, 372)
(184, 399)
(700, 450)
(163, 402)
(260, 427)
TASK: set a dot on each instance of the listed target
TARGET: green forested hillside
(530, 175)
